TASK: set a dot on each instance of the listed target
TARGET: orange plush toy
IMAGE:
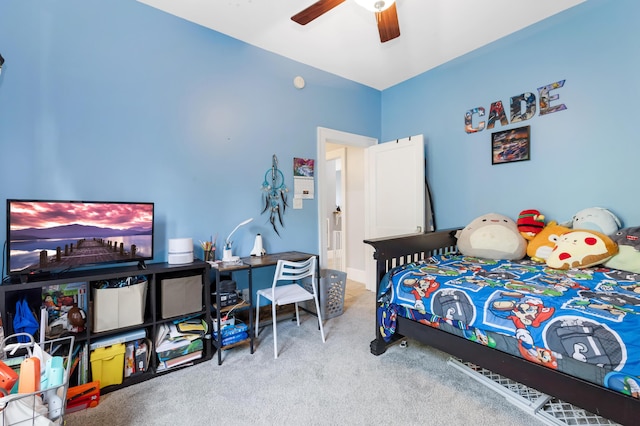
(539, 249)
(530, 223)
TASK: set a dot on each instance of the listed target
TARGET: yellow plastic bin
(107, 365)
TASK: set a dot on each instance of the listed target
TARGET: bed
(551, 372)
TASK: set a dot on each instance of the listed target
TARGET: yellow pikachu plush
(540, 247)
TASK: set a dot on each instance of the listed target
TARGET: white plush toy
(596, 219)
(492, 236)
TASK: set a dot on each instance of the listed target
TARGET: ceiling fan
(386, 15)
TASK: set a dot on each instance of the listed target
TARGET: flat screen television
(46, 236)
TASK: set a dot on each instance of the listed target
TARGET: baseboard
(357, 275)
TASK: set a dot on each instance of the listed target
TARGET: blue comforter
(588, 315)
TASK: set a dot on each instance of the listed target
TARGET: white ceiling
(345, 40)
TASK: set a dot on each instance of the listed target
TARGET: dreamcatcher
(275, 194)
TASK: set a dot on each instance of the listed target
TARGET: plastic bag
(24, 409)
(24, 321)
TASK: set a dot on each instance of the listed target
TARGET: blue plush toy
(596, 219)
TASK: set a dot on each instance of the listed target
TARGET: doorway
(336, 189)
(349, 148)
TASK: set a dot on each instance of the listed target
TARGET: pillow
(581, 249)
(628, 257)
(492, 236)
(542, 244)
(596, 219)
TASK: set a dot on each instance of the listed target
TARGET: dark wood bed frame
(394, 251)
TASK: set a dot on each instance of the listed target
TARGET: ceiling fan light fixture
(375, 5)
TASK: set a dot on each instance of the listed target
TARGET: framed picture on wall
(511, 145)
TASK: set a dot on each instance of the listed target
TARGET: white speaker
(180, 251)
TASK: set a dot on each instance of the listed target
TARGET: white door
(394, 193)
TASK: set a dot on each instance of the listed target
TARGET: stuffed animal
(530, 223)
(76, 318)
(628, 257)
(581, 249)
(492, 236)
(596, 219)
(541, 245)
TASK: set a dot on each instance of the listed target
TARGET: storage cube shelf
(166, 293)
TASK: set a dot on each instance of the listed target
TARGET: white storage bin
(119, 307)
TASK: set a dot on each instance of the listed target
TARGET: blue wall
(581, 157)
(119, 101)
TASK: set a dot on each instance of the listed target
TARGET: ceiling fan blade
(314, 11)
(388, 25)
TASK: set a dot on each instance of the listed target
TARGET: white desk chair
(288, 271)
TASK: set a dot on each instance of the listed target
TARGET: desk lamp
(227, 256)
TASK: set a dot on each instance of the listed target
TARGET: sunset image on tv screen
(46, 235)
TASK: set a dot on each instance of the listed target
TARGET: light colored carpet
(336, 383)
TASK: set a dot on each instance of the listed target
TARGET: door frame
(324, 136)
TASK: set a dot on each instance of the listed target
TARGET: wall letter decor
(543, 92)
(516, 107)
(496, 111)
(468, 120)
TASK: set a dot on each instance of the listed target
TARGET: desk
(248, 264)
(272, 259)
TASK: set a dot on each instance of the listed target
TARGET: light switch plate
(297, 203)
